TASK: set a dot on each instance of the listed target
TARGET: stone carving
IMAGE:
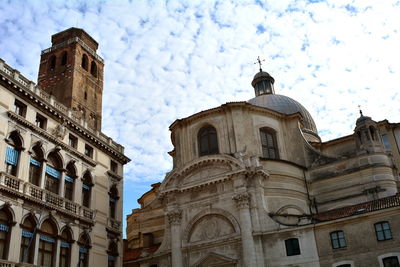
(211, 230)
(175, 216)
(60, 131)
(211, 227)
(242, 200)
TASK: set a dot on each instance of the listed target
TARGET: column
(62, 183)
(15, 236)
(174, 219)
(36, 252)
(75, 246)
(57, 249)
(78, 191)
(242, 203)
(43, 176)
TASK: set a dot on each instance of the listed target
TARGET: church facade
(61, 178)
(252, 184)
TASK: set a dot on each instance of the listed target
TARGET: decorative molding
(49, 137)
(242, 200)
(37, 96)
(174, 217)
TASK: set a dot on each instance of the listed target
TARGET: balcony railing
(42, 196)
(4, 263)
(113, 224)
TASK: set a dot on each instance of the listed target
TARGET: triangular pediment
(215, 260)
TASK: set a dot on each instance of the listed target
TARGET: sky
(166, 60)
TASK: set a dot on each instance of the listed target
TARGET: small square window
(72, 141)
(19, 108)
(292, 247)
(383, 232)
(338, 240)
(114, 166)
(41, 121)
(89, 151)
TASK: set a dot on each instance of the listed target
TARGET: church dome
(285, 105)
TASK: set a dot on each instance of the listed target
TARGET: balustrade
(113, 224)
(11, 183)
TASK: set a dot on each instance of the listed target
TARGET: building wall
(238, 208)
(20, 198)
(362, 246)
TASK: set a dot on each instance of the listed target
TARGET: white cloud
(168, 60)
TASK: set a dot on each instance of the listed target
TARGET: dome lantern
(263, 83)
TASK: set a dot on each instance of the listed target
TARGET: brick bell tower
(72, 72)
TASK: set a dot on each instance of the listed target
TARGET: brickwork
(72, 72)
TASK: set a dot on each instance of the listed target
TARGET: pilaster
(174, 219)
(242, 201)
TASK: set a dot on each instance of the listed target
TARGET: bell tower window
(64, 58)
(93, 69)
(84, 63)
(53, 61)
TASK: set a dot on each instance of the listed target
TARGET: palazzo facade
(61, 178)
(252, 184)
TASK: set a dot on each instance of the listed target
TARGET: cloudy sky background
(169, 59)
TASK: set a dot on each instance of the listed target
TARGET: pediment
(215, 260)
(205, 173)
(201, 171)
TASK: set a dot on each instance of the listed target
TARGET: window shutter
(53, 172)
(12, 156)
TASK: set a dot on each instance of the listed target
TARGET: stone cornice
(35, 95)
(20, 120)
(230, 106)
(74, 40)
(114, 175)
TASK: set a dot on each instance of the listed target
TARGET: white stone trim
(381, 257)
(343, 262)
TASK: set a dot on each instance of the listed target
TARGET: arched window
(207, 141)
(53, 172)
(13, 150)
(93, 69)
(35, 166)
(47, 244)
(372, 132)
(359, 137)
(86, 189)
(268, 144)
(53, 62)
(65, 248)
(27, 240)
(64, 58)
(69, 181)
(5, 229)
(84, 247)
(113, 201)
(84, 62)
(112, 253)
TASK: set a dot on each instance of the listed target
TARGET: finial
(259, 62)
(359, 107)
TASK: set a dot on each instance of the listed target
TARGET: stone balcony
(4, 263)
(113, 225)
(32, 193)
